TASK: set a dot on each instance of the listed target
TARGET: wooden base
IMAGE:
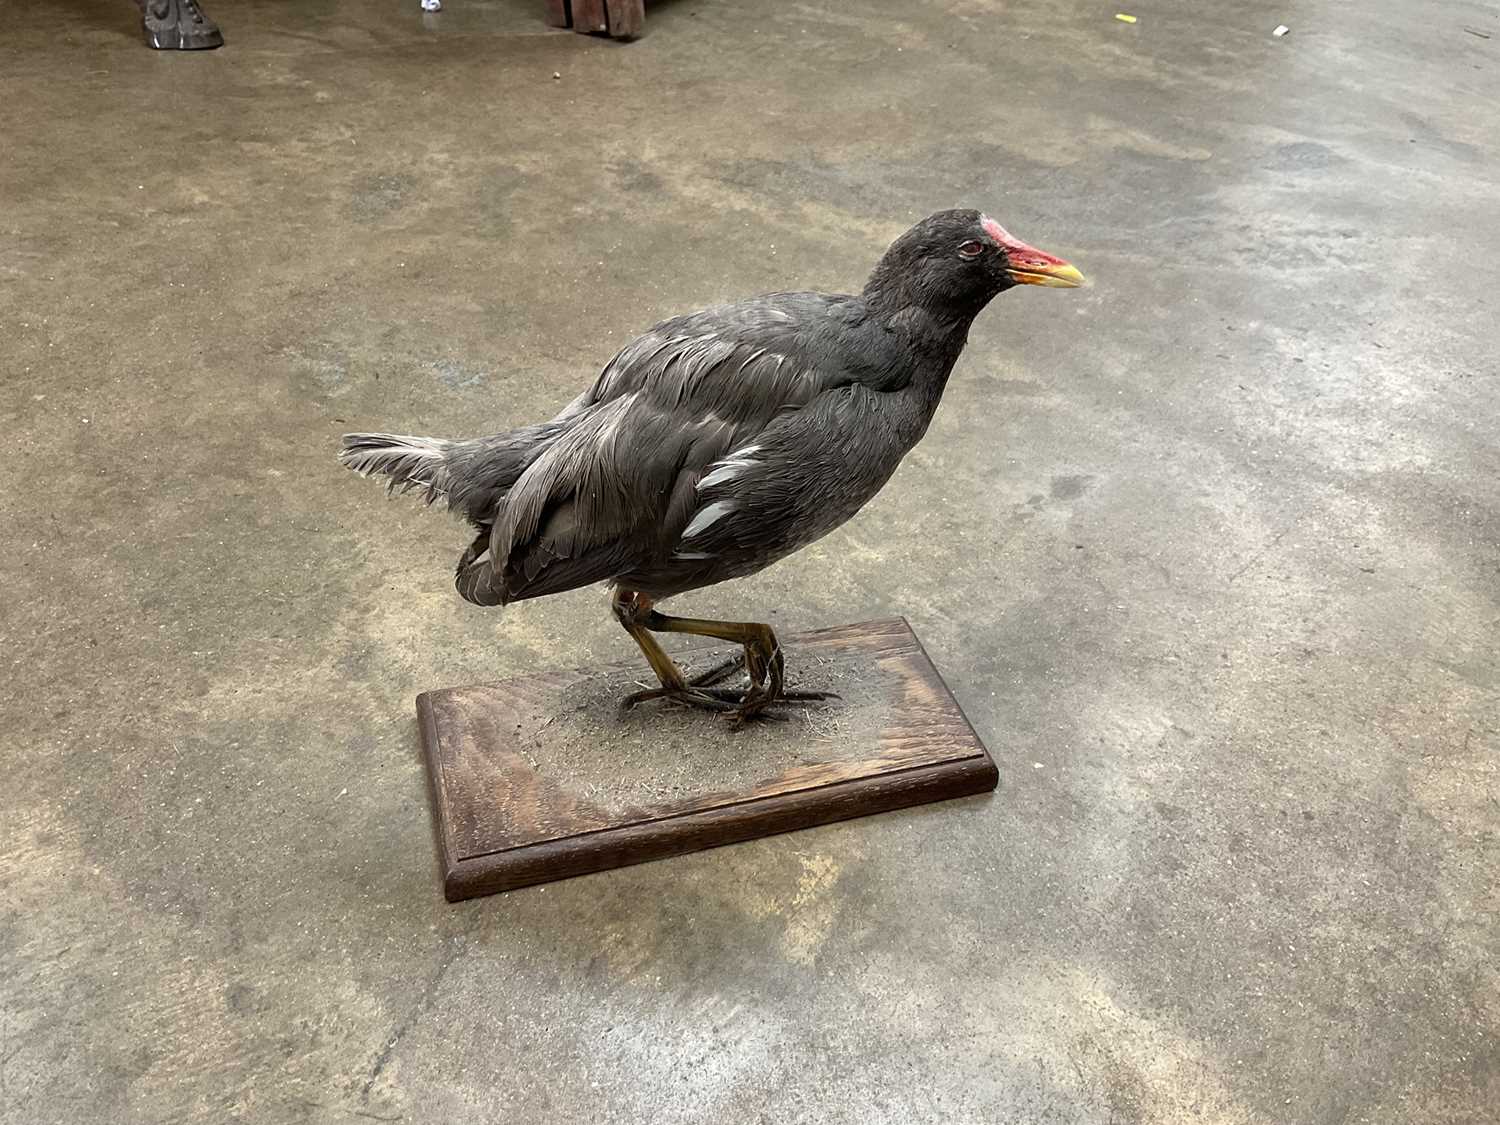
(543, 776)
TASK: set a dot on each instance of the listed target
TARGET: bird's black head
(957, 261)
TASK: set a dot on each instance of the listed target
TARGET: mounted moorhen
(716, 444)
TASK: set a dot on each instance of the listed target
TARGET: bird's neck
(934, 341)
(936, 335)
(893, 291)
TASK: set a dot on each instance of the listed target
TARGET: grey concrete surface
(1207, 551)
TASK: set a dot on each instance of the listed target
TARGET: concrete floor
(1209, 552)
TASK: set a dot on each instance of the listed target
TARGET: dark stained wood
(590, 16)
(626, 17)
(511, 807)
(619, 19)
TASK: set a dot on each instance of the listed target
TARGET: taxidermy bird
(716, 444)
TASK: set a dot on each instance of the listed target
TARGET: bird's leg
(630, 608)
(763, 659)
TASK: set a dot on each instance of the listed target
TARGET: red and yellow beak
(1030, 266)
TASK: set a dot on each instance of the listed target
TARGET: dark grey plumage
(720, 441)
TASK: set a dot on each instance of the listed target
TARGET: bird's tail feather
(409, 462)
(477, 581)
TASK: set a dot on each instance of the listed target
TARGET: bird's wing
(620, 483)
(804, 475)
(737, 360)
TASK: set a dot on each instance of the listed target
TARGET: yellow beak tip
(1060, 276)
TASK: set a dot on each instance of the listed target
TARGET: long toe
(726, 695)
(757, 703)
(739, 704)
(759, 698)
(719, 672)
(687, 696)
(638, 697)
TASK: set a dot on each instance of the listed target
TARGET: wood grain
(589, 16)
(501, 821)
(619, 19)
(626, 17)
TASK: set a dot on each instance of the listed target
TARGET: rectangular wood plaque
(543, 776)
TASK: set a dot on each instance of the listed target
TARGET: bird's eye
(971, 249)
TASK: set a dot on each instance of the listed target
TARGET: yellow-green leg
(763, 660)
(630, 608)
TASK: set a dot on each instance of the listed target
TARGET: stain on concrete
(376, 195)
(1069, 486)
(1303, 156)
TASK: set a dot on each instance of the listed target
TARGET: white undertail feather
(410, 462)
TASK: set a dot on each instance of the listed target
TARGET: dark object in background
(178, 25)
(619, 19)
(182, 25)
(716, 444)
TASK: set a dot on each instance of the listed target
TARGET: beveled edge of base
(626, 845)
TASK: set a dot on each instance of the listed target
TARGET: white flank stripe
(727, 470)
(706, 516)
(730, 467)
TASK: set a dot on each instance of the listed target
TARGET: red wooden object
(619, 19)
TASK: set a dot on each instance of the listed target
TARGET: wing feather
(674, 408)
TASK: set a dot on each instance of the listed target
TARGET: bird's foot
(756, 702)
(179, 25)
(687, 696)
(719, 672)
(737, 706)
